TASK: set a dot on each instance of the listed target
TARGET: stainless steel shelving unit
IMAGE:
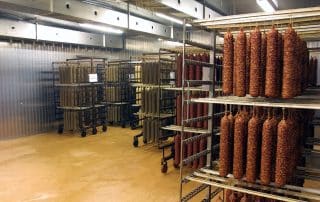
(209, 133)
(306, 21)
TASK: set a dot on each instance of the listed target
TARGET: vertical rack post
(210, 109)
(182, 107)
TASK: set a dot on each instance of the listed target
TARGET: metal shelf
(81, 108)
(287, 193)
(162, 115)
(304, 16)
(187, 89)
(186, 129)
(77, 84)
(188, 61)
(118, 103)
(301, 102)
(149, 85)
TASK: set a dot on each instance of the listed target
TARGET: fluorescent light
(265, 5)
(101, 28)
(169, 18)
(275, 3)
(180, 22)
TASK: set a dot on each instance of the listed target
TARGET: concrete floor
(98, 168)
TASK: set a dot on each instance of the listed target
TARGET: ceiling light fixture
(175, 20)
(266, 5)
(101, 28)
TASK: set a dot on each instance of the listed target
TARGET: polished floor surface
(98, 168)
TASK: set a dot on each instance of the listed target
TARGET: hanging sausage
(177, 149)
(254, 137)
(283, 152)
(289, 64)
(263, 64)
(272, 76)
(198, 70)
(255, 68)
(227, 71)
(268, 148)
(179, 71)
(240, 64)
(225, 146)
(248, 58)
(240, 136)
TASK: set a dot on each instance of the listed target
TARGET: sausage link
(240, 62)
(239, 146)
(227, 71)
(263, 64)
(272, 70)
(177, 148)
(254, 133)
(283, 153)
(179, 71)
(289, 64)
(268, 149)
(255, 68)
(248, 58)
(225, 146)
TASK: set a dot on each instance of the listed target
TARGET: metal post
(211, 111)
(182, 107)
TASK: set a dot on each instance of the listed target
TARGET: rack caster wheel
(104, 128)
(175, 165)
(60, 129)
(135, 142)
(83, 134)
(94, 131)
(164, 168)
(145, 141)
(123, 125)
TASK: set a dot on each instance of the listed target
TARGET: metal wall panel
(139, 24)
(90, 12)
(26, 102)
(18, 29)
(46, 33)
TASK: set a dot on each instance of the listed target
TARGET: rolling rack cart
(79, 94)
(158, 104)
(198, 63)
(208, 177)
(119, 92)
(135, 103)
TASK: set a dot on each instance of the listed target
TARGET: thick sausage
(225, 146)
(272, 69)
(179, 71)
(268, 149)
(289, 64)
(198, 70)
(248, 58)
(227, 71)
(263, 64)
(177, 148)
(254, 137)
(239, 146)
(255, 68)
(240, 62)
(283, 153)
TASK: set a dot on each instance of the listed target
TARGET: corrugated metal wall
(26, 103)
